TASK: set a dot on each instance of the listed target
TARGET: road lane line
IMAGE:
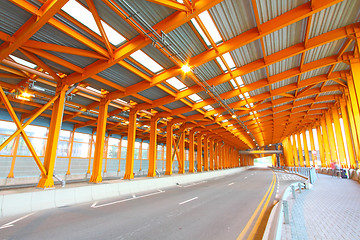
(11, 224)
(193, 184)
(188, 200)
(230, 184)
(242, 234)
(258, 221)
(126, 200)
(245, 177)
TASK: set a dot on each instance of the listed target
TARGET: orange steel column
(339, 138)
(354, 103)
(321, 146)
(349, 142)
(216, 155)
(206, 153)
(331, 136)
(47, 181)
(211, 147)
(355, 70)
(169, 148)
(99, 142)
(312, 145)
(191, 151)
(295, 154)
(301, 159)
(306, 150)
(182, 153)
(353, 127)
(153, 147)
(326, 142)
(199, 152)
(130, 151)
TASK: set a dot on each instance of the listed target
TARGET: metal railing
(309, 172)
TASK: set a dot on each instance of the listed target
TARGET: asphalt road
(223, 208)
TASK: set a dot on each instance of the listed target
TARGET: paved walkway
(330, 210)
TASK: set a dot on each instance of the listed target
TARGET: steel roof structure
(272, 68)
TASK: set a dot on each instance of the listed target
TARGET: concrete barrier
(36, 200)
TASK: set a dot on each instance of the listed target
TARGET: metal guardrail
(309, 172)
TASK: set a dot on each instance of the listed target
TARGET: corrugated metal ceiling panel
(259, 91)
(326, 50)
(175, 105)
(247, 54)
(233, 17)
(269, 9)
(285, 37)
(154, 53)
(254, 76)
(190, 113)
(284, 83)
(284, 65)
(314, 73)
(187, 43)
(336, 16)
(337, 92)
(74, 59)
(120, 75)
(56, 67)
(153, 93)
(341, 67)
(222, 88)
(12, 17)
(207, 71)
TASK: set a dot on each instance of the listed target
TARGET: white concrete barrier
(26, 202)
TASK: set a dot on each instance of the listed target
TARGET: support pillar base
(151, 174)
(129, 176)
(46, 182)
(96, 179)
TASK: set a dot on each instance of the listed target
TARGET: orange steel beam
(170, 4)
(46, 12)
(168, 24)
(153, 147)
(129, 174)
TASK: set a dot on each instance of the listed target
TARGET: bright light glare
(240, 81)
(185, 68)
(195, 97)
(208, 108)
(23, 62)
(84, 16)
(25, 95)
(176, 83)
(229, 60)
(93, 89)
(233, 116)
(210, 27)
(201, 32)
(246, 94)
(146, 61)
(222, 65)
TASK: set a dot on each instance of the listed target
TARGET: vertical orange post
(354, 103)
(199, 152)
(130, 153)
(206, 153)
(331, 136)
(301, 159)
(106, 149)
(295, 154)
(119, 153)
(339, 137)
(182, 152)
(216, 155)
(191, 151)
(100, 142)
(312, 146)
(153, 147)
(306, 149)
(169, 148)
(321, 146)
(47, 181)
(326, 142)
(211, 146)
(353, 128)
(350, 144)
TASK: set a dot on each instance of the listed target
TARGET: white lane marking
(230, 184)
(188, 200)
(193, 184)
(11, 224)
(125, 200)
(245, 177)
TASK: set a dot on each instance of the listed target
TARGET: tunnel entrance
(263, 162)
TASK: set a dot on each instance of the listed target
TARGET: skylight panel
(241, 96)
(246, 94)
(201, 32)
(146, 61)
(222, 65)
(208, 108)
(233, 83)
(84, 16)
(229, 60)
(195, 97)
(251, 104)
(23, 62)
(113, 36)
(240, 81)
(247, 105)
(176, 83)
(210, 26)
(93, 89)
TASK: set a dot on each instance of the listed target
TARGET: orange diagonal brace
(21, 130)
(170, 4)
(48, 10)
